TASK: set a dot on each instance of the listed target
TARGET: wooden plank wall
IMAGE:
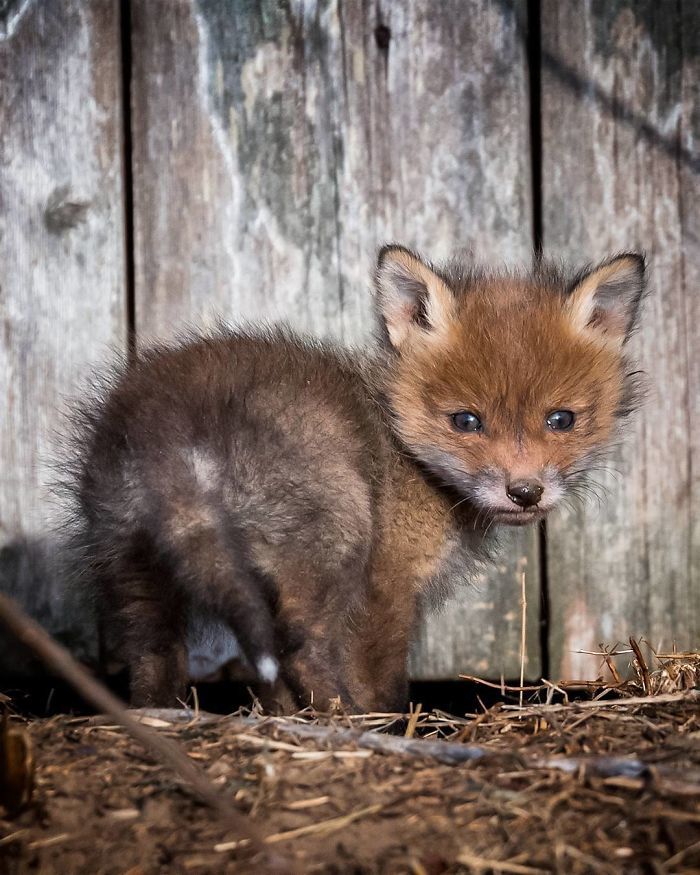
(62, 269)
(277, 146)
(274, 146)
(620, 121)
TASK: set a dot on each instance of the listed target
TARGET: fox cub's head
(507, 387)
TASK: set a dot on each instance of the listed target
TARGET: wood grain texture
(276, 145)
(61, 285)
(620, 167)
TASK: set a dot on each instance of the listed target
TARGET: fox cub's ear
(606, 299)
(412, 299)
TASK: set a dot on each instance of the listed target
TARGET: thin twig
(612, 669)
(323, 827)
(485, 864)
(679, 857)
(643, 668)
(504, 688)
(660, 698)
(413, 721)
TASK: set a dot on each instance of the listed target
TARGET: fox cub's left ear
(414, 302)
(606, 299)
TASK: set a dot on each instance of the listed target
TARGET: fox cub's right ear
(415, 303)
(606, 299)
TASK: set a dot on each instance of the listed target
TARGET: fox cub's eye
(465, 420)
(561, 420)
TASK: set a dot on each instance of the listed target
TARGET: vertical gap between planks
(545, 609)
(534, 62)
(128, 175)
(124, 36)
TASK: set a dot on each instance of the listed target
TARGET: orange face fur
(501, 354)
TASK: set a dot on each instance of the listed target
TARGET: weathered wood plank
(276, 145)
(61, 286)
(621, 162)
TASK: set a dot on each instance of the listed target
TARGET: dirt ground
(581, 788)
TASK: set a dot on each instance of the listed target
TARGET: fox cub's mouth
(521, 517)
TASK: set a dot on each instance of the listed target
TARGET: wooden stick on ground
(59, 660)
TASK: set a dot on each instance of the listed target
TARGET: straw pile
(609, 784)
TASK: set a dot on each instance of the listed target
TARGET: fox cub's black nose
(525, 493)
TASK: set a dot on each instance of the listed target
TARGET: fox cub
(316, 500)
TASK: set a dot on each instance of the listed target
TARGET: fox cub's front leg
(380, 645)
(314, 632)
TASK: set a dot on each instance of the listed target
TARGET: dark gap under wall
(128, 201)
(42, 697)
